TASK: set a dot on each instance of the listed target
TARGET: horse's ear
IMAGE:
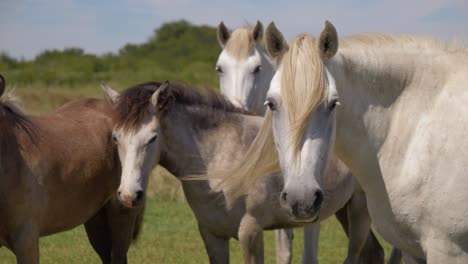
(257, 32)
(111, 94)
(328, 41)
(2, 85)
(223, 34)
(275, 43)
(161, 98)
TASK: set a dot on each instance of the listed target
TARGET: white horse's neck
(385, 95)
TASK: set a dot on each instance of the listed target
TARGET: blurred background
(53, 51)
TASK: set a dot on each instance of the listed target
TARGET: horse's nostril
(318, 199)
(284, 196)
(139, 195)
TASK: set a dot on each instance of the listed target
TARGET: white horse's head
(302, 100)
(137, 137)
(244, 68)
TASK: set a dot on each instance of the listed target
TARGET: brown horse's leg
(216, 247)
(121, 223)
(26, 245)
(97, 230)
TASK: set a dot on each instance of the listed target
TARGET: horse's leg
(395, 256)
(97, 230)
(121, 224)
(26, 245)
(372, 252)
(311, 240)
(251, 239)
(359, 226)
(284, 242)
(216, 247)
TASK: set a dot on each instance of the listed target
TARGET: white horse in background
(402, 127)
(245, 71)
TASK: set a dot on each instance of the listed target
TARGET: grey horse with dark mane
(188, 132)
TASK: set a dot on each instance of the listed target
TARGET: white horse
(401, 127)
(245, 71)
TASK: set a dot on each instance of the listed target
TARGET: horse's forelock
(303, 84)
(240, 43)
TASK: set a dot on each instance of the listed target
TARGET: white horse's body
(402, 128)
(245, 70)
(412, 133)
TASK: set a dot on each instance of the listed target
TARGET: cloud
(103, 26)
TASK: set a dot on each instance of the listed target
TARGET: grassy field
(170, 232)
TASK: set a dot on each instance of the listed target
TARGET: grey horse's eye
(257, 69)
(219, 69)
(115, 139)
(152, 139)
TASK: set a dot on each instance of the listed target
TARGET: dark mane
(133, 104)
(13, 119)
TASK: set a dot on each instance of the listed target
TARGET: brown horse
(60, 171)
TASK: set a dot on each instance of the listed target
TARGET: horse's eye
(333, 104)
(114, 138)
(219, 69)
(257, 69)
(152, 139)
(270, 105)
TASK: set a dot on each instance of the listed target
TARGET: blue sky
(28, 27)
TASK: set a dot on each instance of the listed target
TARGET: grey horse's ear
(257, 32)
(223, 34)
(111, 94)
(275, 43)
(2, 85)
(162, 97)
(328, 41)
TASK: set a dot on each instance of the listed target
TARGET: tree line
(177, 51)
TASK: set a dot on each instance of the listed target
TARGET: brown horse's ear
(2, 85)
(257, 32)
(111, 94)
(223, 34)
(275, 43)
(328, 41)
(162, 98)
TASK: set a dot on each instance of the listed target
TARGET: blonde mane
(240, 43)
(303, 84)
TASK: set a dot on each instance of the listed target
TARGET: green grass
(170, 235)
(169, 232)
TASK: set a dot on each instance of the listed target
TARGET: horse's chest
(211, 212)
